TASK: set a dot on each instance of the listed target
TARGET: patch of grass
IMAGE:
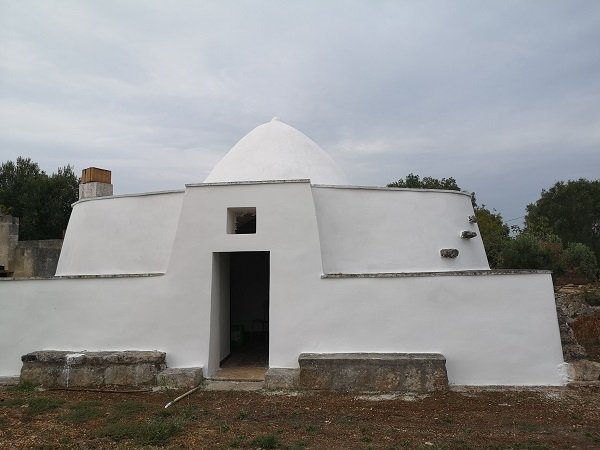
(24, 387)
(312, 428)
(127, 409)
(591, 297)
(595, 437)
(37, 406)
(347, 420)
(520, 446)
(237, 442)
(84, 411)
(12, 402)
(462, 445)
(224, 427)
(529, 427)
(147, 432)
(267, 442)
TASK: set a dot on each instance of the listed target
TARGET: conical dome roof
(276, 151)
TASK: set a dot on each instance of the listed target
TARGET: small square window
(241, 220)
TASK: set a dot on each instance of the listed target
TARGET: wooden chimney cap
(94, 174)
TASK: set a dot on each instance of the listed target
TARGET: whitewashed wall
(144, 313)
(400, 230)
(122, 234)
(492, 329)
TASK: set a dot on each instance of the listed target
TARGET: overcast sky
(504, 96)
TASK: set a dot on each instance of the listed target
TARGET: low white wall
(117, 235)
(395, 230)
(133, 313)
(493, 329)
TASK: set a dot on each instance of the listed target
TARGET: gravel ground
(467, 419)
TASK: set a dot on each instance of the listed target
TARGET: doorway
(241, 293)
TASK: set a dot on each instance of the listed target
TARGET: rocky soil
(469, 419)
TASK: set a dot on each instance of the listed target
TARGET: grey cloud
(502, 96)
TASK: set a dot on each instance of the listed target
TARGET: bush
(580, 258)
(527, 252)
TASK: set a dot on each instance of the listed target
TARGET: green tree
(579, 258)
(415, 182)
(570, 210)
(526, 251)
(41, 202)
(494, 232)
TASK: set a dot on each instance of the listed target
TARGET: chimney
(95, 183)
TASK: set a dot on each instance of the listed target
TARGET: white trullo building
(275, 242)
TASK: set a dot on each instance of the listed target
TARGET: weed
(224, 427)
(12, 403)
(347, 420)
(366, 439)
(41, 405)
(529, 427)
(237, 442)
(84, 411)
(24, 387)
(312, 428)
(462, 445)
(128, 409)
(148, 432)
(594, 436)
(267, 441)
(592, 297)
(188, 413)
(520, 446)
(65, 441)
(3, 422)
(242, 415)
(299, 445)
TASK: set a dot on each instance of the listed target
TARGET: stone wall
(9, 236)
(36, 258)
(23, 259)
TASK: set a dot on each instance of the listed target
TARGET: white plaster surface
(116, 235)
(276, 151)
(375, 230)
(496, 329)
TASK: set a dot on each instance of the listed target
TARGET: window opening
(241, 220)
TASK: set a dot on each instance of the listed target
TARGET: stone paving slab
(373, 372)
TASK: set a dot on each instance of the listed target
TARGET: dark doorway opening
(248, 310)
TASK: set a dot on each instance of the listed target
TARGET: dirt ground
(471, 419)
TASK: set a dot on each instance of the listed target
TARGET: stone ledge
(280, 378)
(450, 273)
(373, 372)
(54, 368)
(180, 378)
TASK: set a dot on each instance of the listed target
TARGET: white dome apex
(276, 151)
